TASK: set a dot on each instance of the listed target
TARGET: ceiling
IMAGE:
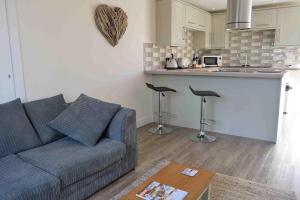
(212, 5)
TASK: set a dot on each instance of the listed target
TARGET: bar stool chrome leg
(202, 136)
(160, 129)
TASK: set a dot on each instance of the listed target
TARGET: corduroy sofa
(62, 168)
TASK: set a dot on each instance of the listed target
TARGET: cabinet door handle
(183, 34)
(9, 76)
(262, 25)
(278, 35)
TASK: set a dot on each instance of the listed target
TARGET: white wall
(63, 52)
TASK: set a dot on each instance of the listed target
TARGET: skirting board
(144, 121)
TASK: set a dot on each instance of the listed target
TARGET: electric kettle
(171, 63)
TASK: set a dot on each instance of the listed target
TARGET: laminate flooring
(277, 165)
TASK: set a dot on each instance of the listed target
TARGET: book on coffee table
(189, 172)
(158, 191)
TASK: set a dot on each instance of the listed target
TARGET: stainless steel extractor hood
(239, 13)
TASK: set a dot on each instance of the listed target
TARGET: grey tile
(257, 44)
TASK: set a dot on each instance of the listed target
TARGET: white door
(7, 87)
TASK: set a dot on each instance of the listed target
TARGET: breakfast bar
(251, 103)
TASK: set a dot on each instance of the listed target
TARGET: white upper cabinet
(288, 30)
(195, 18)
(170, 21)
(264, 19)
(178, 21)
(218, 33)
(208, 31)
(173, 17)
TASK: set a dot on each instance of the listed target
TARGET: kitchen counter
(244, 72)
(251, 102)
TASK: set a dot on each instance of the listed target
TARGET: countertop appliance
(171, 63)
(239, 13)
(212, 61)
(183, 63)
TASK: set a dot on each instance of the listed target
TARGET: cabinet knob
(9, 76)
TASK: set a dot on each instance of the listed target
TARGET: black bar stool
(202, 136)
(160, 128)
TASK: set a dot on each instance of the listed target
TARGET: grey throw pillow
(41, 112)
(86, 119)
(16, 132)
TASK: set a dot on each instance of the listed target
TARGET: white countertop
(248, 73)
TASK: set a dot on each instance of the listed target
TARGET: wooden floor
(275, 165)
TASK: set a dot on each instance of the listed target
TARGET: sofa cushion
(86, 119)
(41, 112)
(16, 132)
(22, 181)
(71, 161)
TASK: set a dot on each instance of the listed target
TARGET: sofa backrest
(41, 112)
(16, 131)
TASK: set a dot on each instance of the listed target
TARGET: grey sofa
(65, 168)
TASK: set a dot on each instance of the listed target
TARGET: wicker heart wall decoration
(111, 22)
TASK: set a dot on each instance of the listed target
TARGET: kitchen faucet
(246, 63)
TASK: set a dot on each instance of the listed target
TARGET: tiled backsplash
(257, 45)
(259, 48)
(155, 56)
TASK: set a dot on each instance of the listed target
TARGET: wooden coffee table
(198, 187)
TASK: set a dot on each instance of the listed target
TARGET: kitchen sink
(236, 70)
(252, 67)
(245, 70)
(269, 71)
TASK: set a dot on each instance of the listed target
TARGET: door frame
(15, 47)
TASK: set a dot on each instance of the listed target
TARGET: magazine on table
(158, 191)
(189, 172)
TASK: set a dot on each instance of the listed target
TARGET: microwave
(212, 61)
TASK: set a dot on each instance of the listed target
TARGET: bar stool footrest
(161, 129)
(203, 138)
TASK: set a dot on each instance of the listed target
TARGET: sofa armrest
(123, 128)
